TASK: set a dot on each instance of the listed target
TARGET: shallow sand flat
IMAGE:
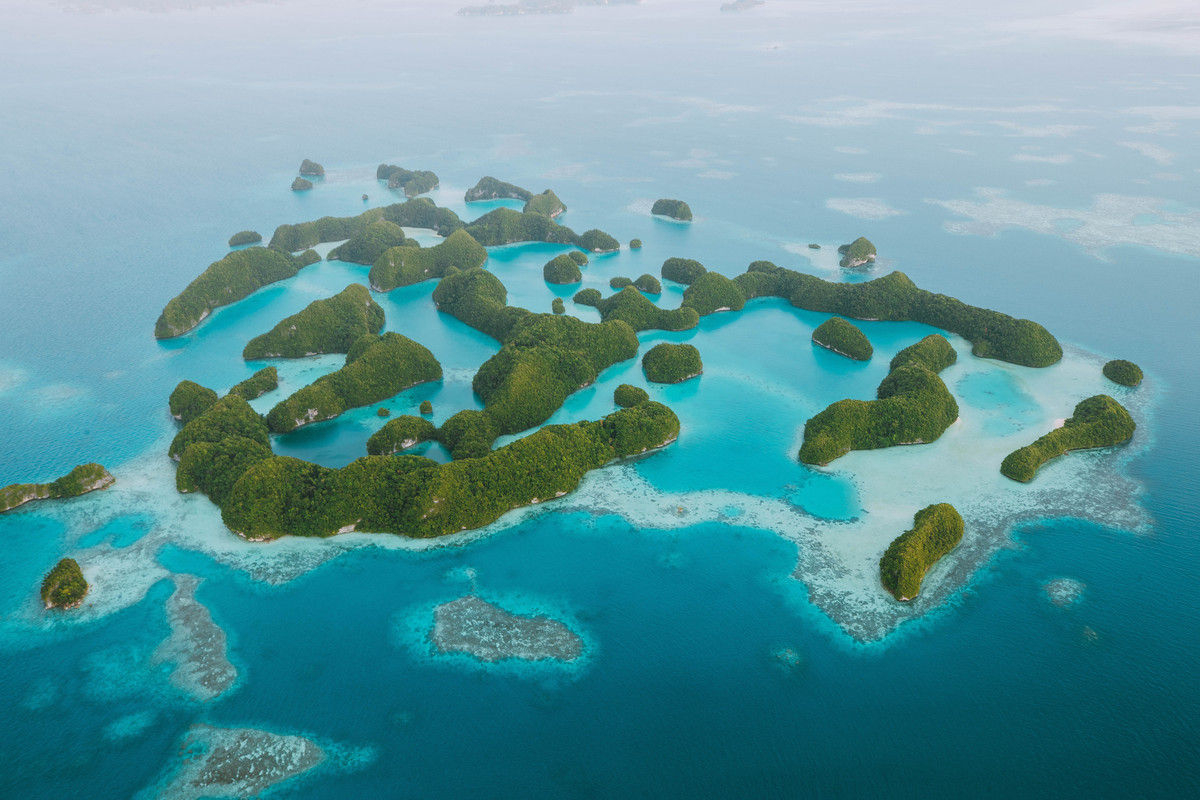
(489, 633)
(196, 646)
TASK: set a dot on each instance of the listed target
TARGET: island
(245, 237)
(1123, 372)
(578, 257)
(682, 270)
(258, 384)
(557, 306)
(675, 209)
(619, 282)
(226, 281)
(597, 241)
(713, 292)
(489, 188)
(1098, 421)
(546, 204)
(369, 243)
(411, 182)
(64, 586)
(488, 633)
(858, 253)
(468, 434)
(426, 408)
(80, 480)
(377, 367)
(301, 185)
(189, 400)
(913, 406)
(843, 338)
(562, 270)
(331, 325)
(647, 283)
(399, 434)
(635, 244)
(627, 396)
(311, 168)
(631, 306)
(404, 266)
(936, 530)
(671, 363)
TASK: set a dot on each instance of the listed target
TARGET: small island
(597, 241)
(713, 292)
(1098, 421)
(81, 480)
(189, 400)
(489, 188)
(245, 237)
(671, 363)
(619, 282)
(547, 204)
(399, 434)
(627, 396)
(843, 338)
(1123, 372)
(632, 307)
(258, 384)
(369, 243)
(682, 270)
(301, 185)
(404, 266)
(858, 253)
(411, 182)
(331, 325)
(647, 283)
(675, 209)
(426, 408)
(64, 586)
(578, 257)
(936, 530)
(557, 306)
(635, 244)
(488, 633)
(311, 168)
(562, 270)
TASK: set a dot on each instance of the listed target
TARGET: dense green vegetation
(635, 244)
(682, 270)
(308, 167)
(619, 282)
(713, 292)
(226, 281)
(627, 396)
(417, 497)
(648, 284)
(675, 209)
(546, 203)
(245, 237)
(562, 270)
(330, 325)
(403, 266)
(64, 586)
(597, 241)
(258, 384)
(399, 434)
(377, 367)
(857, 253)
(936, 530)
(633, 307)
(913, 406)
(843, 338)
(468, 434)
(671, 363)
(895, 297)
(411, 182)
(490, 188)
(1123, 372)
(80, 480)
(189, 400)
(301, 185)
(369, 243)
(578, 257)
(214, 467)
(477, 298)
(326, 229)
(557, 306)
(426, 408)
(229, 416)
(1098, 421)
(507, 226)
(588, 297)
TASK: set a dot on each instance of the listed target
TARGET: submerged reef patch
(488, 633)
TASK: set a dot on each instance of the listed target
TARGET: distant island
(562, 270)
(311, 169)
(936, 530)
(301, 185)
(80, 480)
(675, 209)
(1098, 421)
(245, 237)
(411, 182)
(546, 203)
(858, 253)
(489, 188)
(1123, 372)
(682, 270)
(64, 586)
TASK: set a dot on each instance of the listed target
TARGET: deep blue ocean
(135, 141)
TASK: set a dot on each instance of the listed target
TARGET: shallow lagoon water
(683, 611)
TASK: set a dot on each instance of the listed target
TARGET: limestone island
(64, 586)
(1098, 421)
(671, 363)
(844, 338)
(487, 632)
(1123, 372)
(635, 244)
(404, 266)
(547, 204)
(675, 209)
(331, 325)
(411, 182)
(713, 292)
(682, 270)
(311, 169)
(627, 396)
(489, 188)
(245, 237)
(371, 242)
(258, 384)
(858, 253)
(562, 270)
(557, 306)
(81, 480)
(399, 434)
(301, 185)
(936, 530)
(635, 309)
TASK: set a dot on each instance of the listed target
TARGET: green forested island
(562, 270)
(377, 367)
(631, 306)
(258, 384)
(843, 338)
(675, 209)
(913, 406)
(626, 395)
(411, 182)
(81, 480)
(489, 188)
(682, 270)
(189, 400)
(64, 586)
(1123, 372)
(936, 530)
(399, 434)
(368, 243)
(404, 266)
(245, 237)
(635, 244)
(1098, 421)
(331, 325)
(671, 363)
(546, 203)
(858, 253)
(713, 292)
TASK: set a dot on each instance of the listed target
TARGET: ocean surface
(736, 641)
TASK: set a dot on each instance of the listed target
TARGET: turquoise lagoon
(736, 640)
